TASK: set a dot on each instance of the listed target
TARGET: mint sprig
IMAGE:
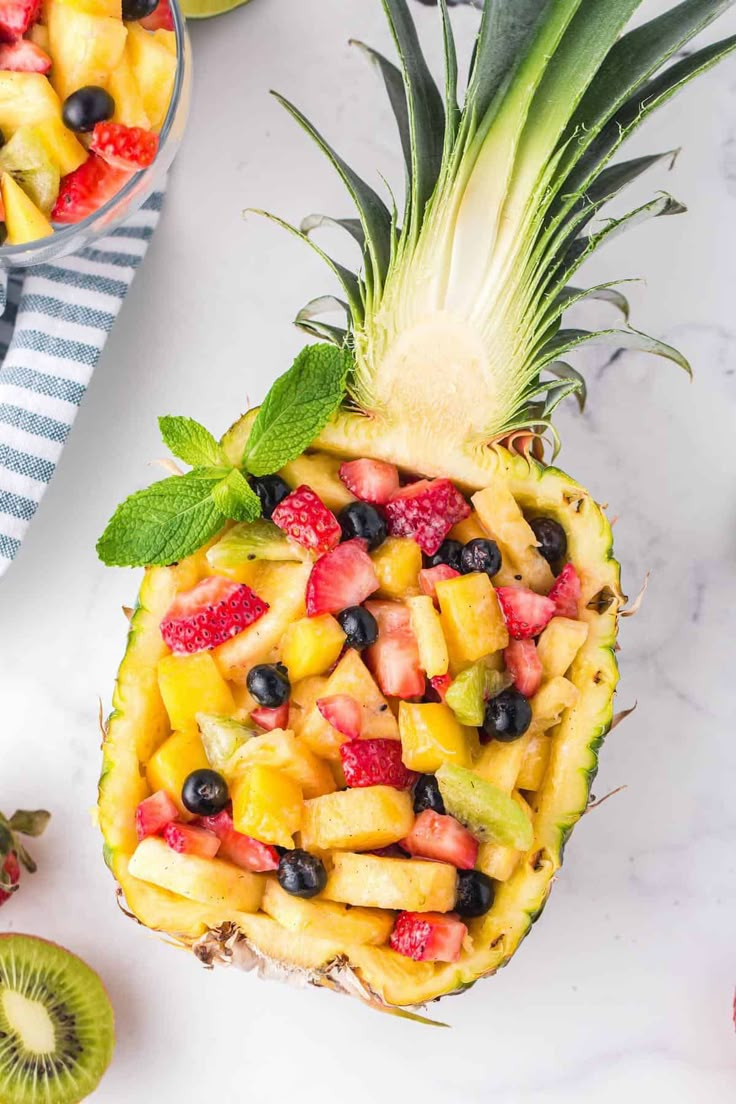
(191, 442)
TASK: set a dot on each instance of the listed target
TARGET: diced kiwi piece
(489, 813)
(473, 687)
(56, 1024)
(254, 540)
(26, 158)
(221, 737)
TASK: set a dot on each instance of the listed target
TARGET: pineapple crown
(502, 203)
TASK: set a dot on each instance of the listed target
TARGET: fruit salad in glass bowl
(93, 102)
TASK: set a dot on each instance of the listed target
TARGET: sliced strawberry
(428, 936)
(394, 658)
(247, 853)
(344, 713)
(341, 578)
(375, 763)
(441, 684)
(271, 718)
(16, 16)
(426, 511)
(160, 18)
(88, 188)
(524, 666)
(23, 56)
(430, 576)
(443, 838)
(209, 614)
(304, 517)
(566, 592)
(123, 146)
(153, 814)
(370, 480)
(188, 839)
(10, 868)
(526, 612)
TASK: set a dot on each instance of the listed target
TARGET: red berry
(153, 814)
(344, 713)
(430, 576)
(524, 666)
(442, 838)
(566, 592)
(428, 936)
(23, 56)
(188, 839)
(304, 517)
(16, 16)
(247, 853)
(426, 511)
(88, 188)
(526, 612)
(271, 718)
(370, 480)
(11, 870)
(124, 147)
(341, 578)
(375, 763)
(441, 684)
(209, 614)
(159, 19)
(394, 658)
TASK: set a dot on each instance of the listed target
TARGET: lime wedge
(205, 9)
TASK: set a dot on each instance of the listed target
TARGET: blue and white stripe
(52, 332)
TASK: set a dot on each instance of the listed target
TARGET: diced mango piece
(154, 67)
(211, 881)
(327, 919)
(176, 758)
(23, 220)
(534, 765)
(471, 616)
(25, 98)
(375, 882)
(351, 676)
(86, 48)
(311, 645)
(61, 145)
(397, 564)
(267, 805)
(285, 752)
(123, 87)
(427, 628)
(321, 473)
(432, 735)
(357, 820)
(501, 516)
(192, 684)
(559, 644)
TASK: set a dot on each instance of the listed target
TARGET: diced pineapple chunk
(351, 676)
(397, 563)
(267, 805)
(25, 98)
(501, 762)
(39, 34)
(409, 884)
(123, 87)
(432, 735)
(496, 861)
(311, 645)
(175, 759)
(192, 684)
(534, 764)
(60, 144)
(471, 616)
(86, 48)
(166, 38)
(211, 881)
(468, 529)
(501, 516)
(321, 473)
(327, 919)
(23, 220)
(357, 820)
(551, 700)
(285, 752)
(110, 8)
(427, 628)
(559, 644)
(154, 67)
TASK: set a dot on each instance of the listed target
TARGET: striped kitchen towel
(52, 332)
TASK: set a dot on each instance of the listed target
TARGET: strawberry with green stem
(13, 854)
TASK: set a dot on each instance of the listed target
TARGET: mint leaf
(297, 408)
(236, 499)
(165, 522)
(191, 442)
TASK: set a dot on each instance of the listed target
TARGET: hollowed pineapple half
(454, 324)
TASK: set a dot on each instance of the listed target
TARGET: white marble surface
(624, 989)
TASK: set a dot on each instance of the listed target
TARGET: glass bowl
(68, 239)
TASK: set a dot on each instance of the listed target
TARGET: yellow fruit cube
(154, 67)
(86, 48)
(357, 820)
(23, 220)
(25, 98)
(468, 529)
(559, 644)
(111, 8)
(472, 620)
(285, 752)
(166, 38)
(427, 628)
(326, 919)
(551, 700)
(267, 805)
(432, 735)
(123, 87)
(39, 34)
(310, 646)
(192, 684)
(407, 884)
(60, 144)
(501, 516)
(321, 473)
(175, 759)
(211, 881)
(497, 861)
(501, 762)
(351, 676)
(536, 759)
(397, 563)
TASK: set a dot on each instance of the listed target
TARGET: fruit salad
(85, 87)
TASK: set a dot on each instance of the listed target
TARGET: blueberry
(359, 519)
(427, 795)
(301, 874)
(480, 554)
(507, 716)
(474, 893)
(450, 553)
(360, 627)
(134, 10)
(204, 793)
(86, 107)
(271, 489)
(552, 538)
(269, 684)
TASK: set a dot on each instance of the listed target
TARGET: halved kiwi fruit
(56, 1024)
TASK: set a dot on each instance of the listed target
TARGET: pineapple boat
(372, 661)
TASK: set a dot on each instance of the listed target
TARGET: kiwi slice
(26, 159)
(56, 1024)
(488, 812)
(222, 736)
(254, 540)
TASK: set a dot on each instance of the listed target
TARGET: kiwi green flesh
(56, 1024)
(27, 161)
(487, 811)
